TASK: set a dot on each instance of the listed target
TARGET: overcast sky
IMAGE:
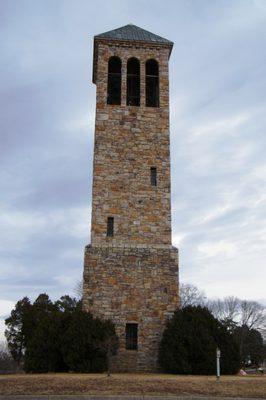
(218, 145)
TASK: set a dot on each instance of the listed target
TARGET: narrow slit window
(114, 81)
(133, 82)
(110, 226)
(153, 176)
(152, 83)
(132, 336)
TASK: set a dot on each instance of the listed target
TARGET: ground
(133, 384)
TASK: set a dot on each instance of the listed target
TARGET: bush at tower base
(58, 336)
(189, 344)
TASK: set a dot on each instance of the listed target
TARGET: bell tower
(131, 267)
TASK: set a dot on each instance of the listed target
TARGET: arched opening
(133, 82)
(114, 81)
(152, 83)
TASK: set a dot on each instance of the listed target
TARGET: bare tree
(215, 307)
(7, 364)
(252, 315)
(78, 289)
(240, 312)
(227, 309)
(232, 305)
(231, 310)
(190, 295)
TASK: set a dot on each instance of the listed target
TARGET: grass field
(133, 384)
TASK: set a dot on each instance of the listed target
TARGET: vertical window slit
(132, 336)
(153, 176)
(110, 226)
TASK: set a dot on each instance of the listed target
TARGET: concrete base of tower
(133, 287)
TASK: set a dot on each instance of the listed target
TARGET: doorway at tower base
(137, 289)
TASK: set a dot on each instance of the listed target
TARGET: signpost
(218, 355)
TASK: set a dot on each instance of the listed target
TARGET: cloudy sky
(218, 145)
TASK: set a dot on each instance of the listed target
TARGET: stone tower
(131, 267)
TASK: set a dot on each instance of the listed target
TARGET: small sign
(218, 355)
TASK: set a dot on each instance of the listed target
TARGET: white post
(218, 355)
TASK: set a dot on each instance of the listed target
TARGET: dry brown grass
(133, 384)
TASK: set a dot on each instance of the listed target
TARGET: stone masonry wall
(132, 277)
(128, 142)
(132, 285)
